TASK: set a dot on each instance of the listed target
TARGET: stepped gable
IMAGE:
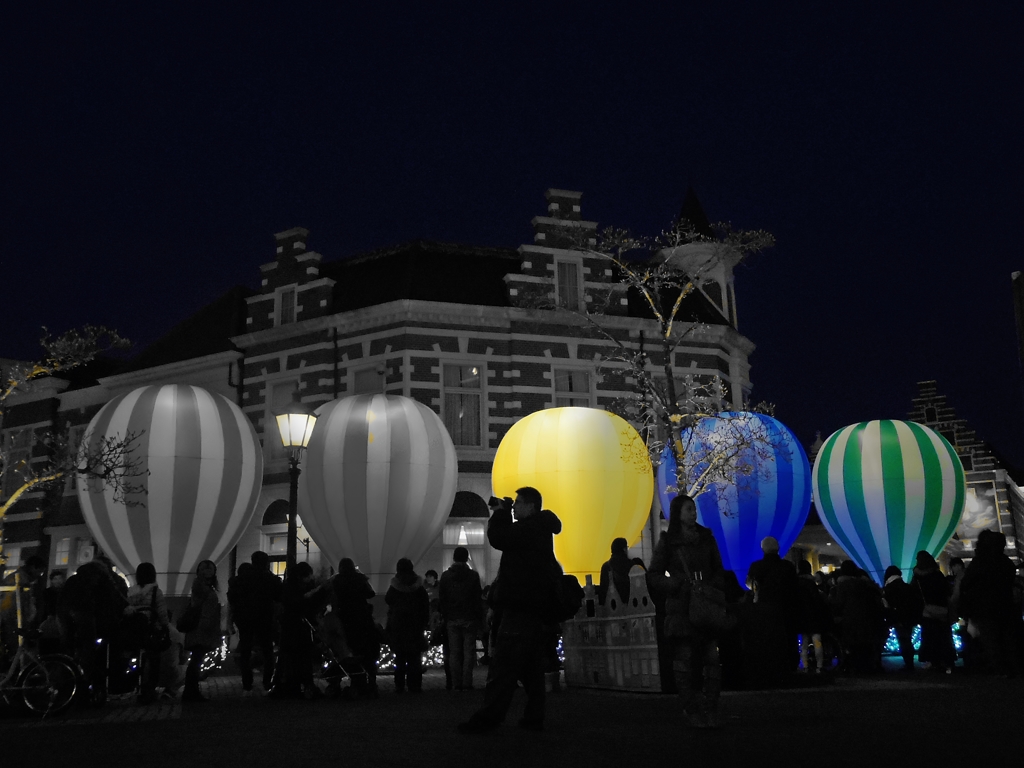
(206, 332)
(931, 409)
(423, 270)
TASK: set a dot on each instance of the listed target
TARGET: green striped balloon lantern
(887, 490)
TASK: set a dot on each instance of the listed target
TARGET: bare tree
(110, 462)
(663, 271)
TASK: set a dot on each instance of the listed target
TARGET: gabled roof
(206, 332)
(424, 270)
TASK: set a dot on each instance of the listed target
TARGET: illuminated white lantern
(200, 467)
(378, 481)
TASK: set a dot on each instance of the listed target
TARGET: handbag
(936, 612)
(707, 612)
(189, 619)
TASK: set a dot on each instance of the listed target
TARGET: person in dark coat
(936, 649)
(459, 601)
(987, 601)
(856, 604)
(525, 594)
(254, 595)
(776, 590)
(903, 607)
(349, 593)
(689, 551)
(301, 603)
(616, 571)
(815, 618)
(408, 616)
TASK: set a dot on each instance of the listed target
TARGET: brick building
(482, 335)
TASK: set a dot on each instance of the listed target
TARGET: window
(470, 535)
(74, 440)
(286, 307)
(279, 396)
(368, 381)
(18, 453)
(930, 416)
(62, 553)
(462, 402)
(567, 284)
(572, 387)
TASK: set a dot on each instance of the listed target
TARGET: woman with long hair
(686, 553)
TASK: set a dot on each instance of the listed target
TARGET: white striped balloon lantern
(201, 468)
(378, 481)
(887, 490)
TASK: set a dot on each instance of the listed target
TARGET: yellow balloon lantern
(593, 471)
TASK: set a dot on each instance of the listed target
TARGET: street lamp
(295, 424)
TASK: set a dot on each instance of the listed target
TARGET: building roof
(206, 332)
(423, 270)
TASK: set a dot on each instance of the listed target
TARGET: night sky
(148, 156)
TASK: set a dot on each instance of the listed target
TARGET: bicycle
(45, 683)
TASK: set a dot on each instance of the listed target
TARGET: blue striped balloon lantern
(378, 481)
(767, 491)
(200, 471)
(887, 490)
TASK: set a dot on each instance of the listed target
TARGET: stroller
(338, 663)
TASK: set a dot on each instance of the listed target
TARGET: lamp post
(295, 424)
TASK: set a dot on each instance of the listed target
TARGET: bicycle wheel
(48, 685)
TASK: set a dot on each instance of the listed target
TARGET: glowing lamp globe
(768, 495)
(377, 482)
(592, 470)
(888, 489)
(200, 472)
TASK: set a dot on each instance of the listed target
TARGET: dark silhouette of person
(348, 593)
(616, 571)
(459, 602)
(856, 603)
(987, 601)
(207, 636)
(255, 595)
(903, 605)
(525, 594)
(408, 617)
(937, 650)
(147, 599)
(300, 607)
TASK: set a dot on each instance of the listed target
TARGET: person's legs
(245, 643)
(453, 653)
(708, 650)
(682, 670)
(414, 672)
(468, 654)
(509, 653)
(533, 668)
(192, 692)
(265, 640)
(401, 663)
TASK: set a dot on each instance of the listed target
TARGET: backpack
(570, 597)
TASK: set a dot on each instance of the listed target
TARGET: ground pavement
(889, 720)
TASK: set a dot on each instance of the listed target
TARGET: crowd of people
(713, 633)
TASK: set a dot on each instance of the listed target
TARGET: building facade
(483, 336)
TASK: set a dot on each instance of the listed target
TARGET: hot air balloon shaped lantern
(378, 481)
(887, 490)
(592, 470)
(750, 478)
(200, 471)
